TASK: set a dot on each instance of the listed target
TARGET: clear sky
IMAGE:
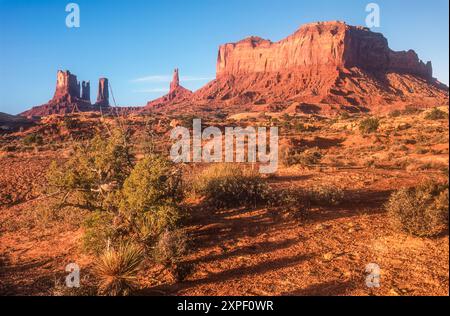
(137, 44)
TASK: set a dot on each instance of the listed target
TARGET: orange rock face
(325, 63)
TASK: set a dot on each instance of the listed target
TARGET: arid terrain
(317, 249)
(357, 206)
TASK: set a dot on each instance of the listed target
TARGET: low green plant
(226, 186)
(307, 157)
(325, 195)
(170, 250)
(436, 114)
(369, 125)
(33, 139)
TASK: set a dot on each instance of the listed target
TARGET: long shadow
(319, 142)
(254, 249)
(222, 227)
(285, 178)
(29, 278)
(260, 268)
(331, 288)
(356, 203)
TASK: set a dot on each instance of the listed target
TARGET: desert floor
(252, 251)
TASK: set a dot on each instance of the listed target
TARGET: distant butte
(176, 94)
(322, 67)
(71, 97)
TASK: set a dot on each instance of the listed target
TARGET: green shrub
(117, 269)
(325, 195)
(307, 157)
(150, 197)
(94, 172)
(70, 123)
(420, 211)
(226, 186)
(436, 114)
(131, 203)
(98, 229)
(33, 139)
(395, 113)
(369, 125)
(170, 250)
(292, 200)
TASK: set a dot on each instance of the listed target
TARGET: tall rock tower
(177, 93)
(67, 87)
(103, 94)
(175, 81)
(86, 91)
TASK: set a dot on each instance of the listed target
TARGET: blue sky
(136, 44)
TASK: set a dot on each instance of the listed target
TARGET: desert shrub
(129, 202)
(117, 269)
(225, 186)
(98, 229)
(292, 200)
(325, 195)
(421, 211)
(170, 250)
(10, 148)
(93, 173)
(369, 125)
(153, 181)
(33, 139)
(150, 196)
(70, 123)
(395, 113)
(307, 157)
(436, 114)
(411, 109)
(187, 120)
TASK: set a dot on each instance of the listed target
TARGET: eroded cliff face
(326, 63)
(318, 47)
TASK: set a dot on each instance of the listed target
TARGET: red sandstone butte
(324, 63)
(69, 97)
(103, 94)
(176, 94)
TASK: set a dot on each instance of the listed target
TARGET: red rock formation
(86, 91)
(176, 94)
(325, 63)
(103, 92)
(67, 88)
(68, 97)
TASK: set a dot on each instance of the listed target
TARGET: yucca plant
(117, 269)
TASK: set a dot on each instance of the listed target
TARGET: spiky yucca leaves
(117, 269)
